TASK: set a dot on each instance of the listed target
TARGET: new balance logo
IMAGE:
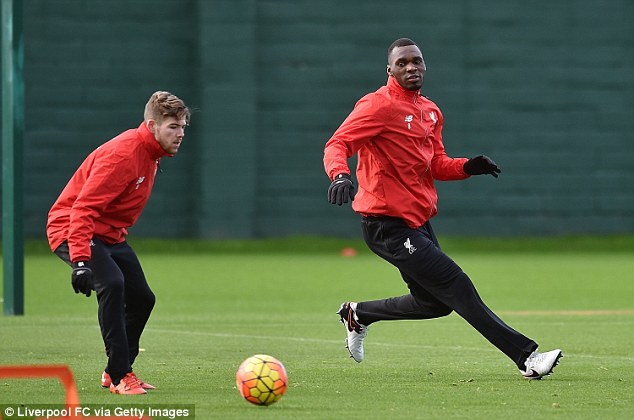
(139, 181)
(411, 248)
(408, 120)
(432, 115)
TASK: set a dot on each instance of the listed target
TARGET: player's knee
(110, 286)
(150, 300)
(444, 312)
(145, 302)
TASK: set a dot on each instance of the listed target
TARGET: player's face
(407, 66)
(169, 133)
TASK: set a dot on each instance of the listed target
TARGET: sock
(354, 306)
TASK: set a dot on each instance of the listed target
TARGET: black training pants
(437, 286)
(125, 301)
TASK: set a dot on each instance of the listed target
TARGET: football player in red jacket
(397, 135)
(87, 228)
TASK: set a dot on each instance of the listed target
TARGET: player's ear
(150, 125)
(389, 70)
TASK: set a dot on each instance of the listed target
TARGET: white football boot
(539, 365)
(355, 331)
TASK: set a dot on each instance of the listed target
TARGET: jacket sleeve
(108, 177)
(363, 124)
(443, 167)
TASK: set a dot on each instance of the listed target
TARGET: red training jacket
(106, 194)
(398, 136)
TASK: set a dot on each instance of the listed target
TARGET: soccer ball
(261, 379)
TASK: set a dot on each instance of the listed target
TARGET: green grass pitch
(218, 303)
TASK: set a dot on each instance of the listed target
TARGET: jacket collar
(399, 90)
(149, 142)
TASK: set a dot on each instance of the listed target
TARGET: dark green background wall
(544, 87)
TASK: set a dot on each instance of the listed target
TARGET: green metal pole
(12, 156)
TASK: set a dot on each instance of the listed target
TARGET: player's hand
(81, 278)
(481, 165)
(341, 190)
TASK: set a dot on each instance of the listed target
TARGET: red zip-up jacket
(106, 194)
(397, 134)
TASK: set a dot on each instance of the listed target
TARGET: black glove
(481, 165)
(340, 190)
(81, 278)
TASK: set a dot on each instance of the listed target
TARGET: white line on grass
(374, 343)
(307, 340)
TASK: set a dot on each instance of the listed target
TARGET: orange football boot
(106, 381)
